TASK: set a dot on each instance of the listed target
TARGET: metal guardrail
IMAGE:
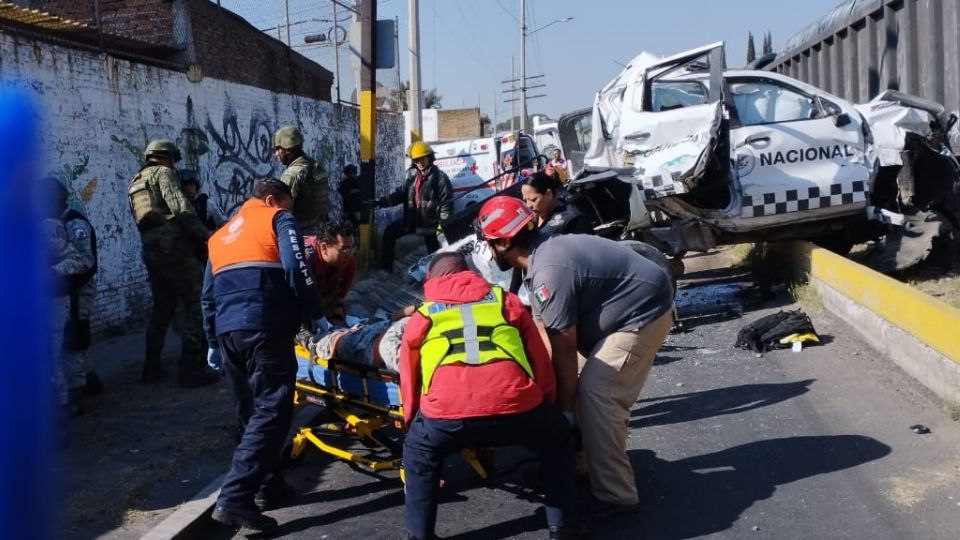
(907, 45)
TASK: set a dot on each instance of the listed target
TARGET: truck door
(794, 152)
(670, 127)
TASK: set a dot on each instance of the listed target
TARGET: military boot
(153, 371)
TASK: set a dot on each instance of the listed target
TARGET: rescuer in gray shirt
(606, 302)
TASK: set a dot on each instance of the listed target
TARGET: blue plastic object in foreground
(26, 404)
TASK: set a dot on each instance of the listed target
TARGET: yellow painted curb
(932, 321)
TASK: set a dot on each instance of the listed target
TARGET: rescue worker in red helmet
(606, 302)
(474, 372)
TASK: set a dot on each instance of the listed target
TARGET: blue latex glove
(214, 359)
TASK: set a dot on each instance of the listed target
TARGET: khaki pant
(611, 378)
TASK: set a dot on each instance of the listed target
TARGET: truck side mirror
(841, 119)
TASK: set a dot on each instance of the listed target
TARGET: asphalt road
(724, 444)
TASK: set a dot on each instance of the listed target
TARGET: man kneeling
(475, 372)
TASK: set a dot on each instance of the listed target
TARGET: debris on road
(920, 429)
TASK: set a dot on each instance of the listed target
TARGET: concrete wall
(99, 112)
(916, 331)
(907, 45)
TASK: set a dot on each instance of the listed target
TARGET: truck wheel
(656, 256)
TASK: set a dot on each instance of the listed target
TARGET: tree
(751, 49)
(767, 43)
(431, 99)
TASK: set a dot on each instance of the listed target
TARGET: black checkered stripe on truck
(798, 200)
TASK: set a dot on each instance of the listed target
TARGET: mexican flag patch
(542, 293)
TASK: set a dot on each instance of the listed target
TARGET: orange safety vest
(247, 240)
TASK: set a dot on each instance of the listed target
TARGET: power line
(505, 10)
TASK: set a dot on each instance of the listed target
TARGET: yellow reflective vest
(474, 334)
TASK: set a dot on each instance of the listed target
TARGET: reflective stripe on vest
(247, 240)
(473, 334)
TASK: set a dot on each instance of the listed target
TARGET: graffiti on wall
(242, 156)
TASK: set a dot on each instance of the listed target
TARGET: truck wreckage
(680, 155)
(685, 156)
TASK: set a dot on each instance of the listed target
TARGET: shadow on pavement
(673, 409)
(706, 494)
(340, 515)
(507, 529)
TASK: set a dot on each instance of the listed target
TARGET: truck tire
(653, 255)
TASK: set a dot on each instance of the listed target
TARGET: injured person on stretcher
(375, 344)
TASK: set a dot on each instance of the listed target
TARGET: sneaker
(597, 509)
(197, 378)
(250, 519)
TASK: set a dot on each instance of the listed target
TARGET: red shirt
(334, 283)
(461, 391)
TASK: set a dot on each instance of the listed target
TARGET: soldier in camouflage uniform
(81, 290)
(170, 233)
(308, 182)
(65, 262)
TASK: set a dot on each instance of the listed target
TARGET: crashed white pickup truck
(685, 156)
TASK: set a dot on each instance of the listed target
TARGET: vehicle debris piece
(920, 429)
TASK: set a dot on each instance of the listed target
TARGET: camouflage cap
(287, 137)
(162, 148)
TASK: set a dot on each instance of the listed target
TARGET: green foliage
(751, 48)
(767, 43)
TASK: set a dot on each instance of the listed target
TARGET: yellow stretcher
(364, 403)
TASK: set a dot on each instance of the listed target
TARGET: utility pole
(396, 47)
(286, 9)
(414, 102)
(523, 65)
(513, 88)
(494, 130)
(336, 48)
(368, 122)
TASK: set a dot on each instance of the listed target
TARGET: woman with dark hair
(545, 197)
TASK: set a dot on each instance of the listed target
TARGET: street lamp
(523, 58)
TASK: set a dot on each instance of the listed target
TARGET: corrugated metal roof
(38, 19)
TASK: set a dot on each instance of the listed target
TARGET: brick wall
(229, 48)
(98, 112)
(454, 124)
(225, 46)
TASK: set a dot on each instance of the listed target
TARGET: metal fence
(866, 46)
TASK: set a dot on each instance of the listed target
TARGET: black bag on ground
(765, 333)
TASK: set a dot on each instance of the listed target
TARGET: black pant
(543, 430)
(261, 369)
(392, 233)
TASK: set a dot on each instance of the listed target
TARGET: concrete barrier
(919, 333)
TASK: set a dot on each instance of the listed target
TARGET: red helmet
(502, 217)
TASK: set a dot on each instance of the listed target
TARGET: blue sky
(467, 45)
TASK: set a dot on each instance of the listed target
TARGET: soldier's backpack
(766, 333)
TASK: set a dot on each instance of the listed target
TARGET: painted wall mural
(100, 112)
